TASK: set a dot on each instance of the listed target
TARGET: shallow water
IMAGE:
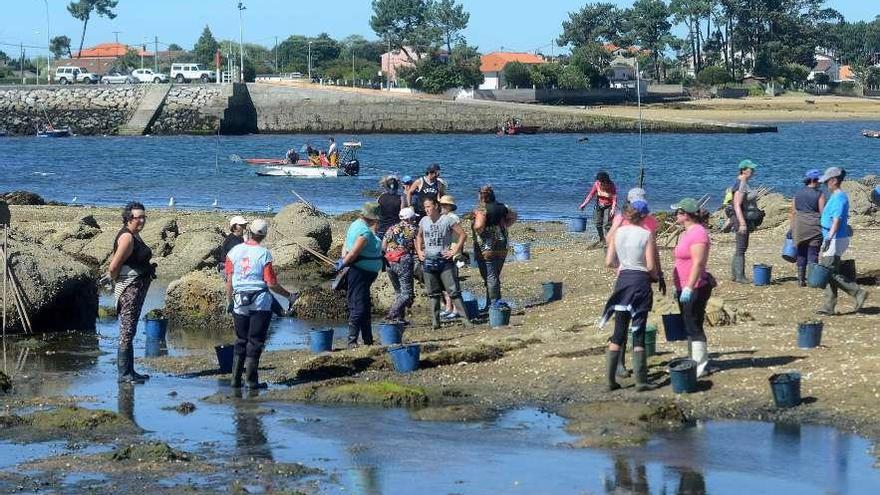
(542, 176)
(374, 450)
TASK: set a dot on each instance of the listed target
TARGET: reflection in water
(691, 483)
(250, 433)
(125, 400)
(629, 476)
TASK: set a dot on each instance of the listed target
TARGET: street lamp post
(241, 8)
(48, 45)
(310, 62)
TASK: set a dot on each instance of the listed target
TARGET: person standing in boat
(389, 204)
(333, 152)
(132, 271)
(806, 208)
(429, 186)
(606, 203)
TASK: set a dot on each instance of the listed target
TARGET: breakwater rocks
(86, 110)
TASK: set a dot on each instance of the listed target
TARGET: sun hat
(635, 194)
(406, 213)
(687, 204)
(813, 173)
(747, 164)
(831, 173)
(447, 199)
(237, 220)
(640, 206)
(258, 227)
(370, 211)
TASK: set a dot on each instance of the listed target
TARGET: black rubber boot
(459, 306)
(435, 312)
(250, 372)
(237, 370)
(124, 367)
(137, 376)
(738, 269)
(611, 358)
(802, 276)
(640, 370)
(622, 372)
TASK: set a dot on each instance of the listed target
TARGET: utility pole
(276, 54)
(156, 54)
(310, 62)
(388, 72)
(21, 62)
(116, 35)
(352, 67)
(241, 8)
(48, 45)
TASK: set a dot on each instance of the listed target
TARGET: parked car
(191, 72)
(148, 76)
(70, 74)
(117, 77)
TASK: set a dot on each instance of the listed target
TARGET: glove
(661, 284)
(825, 245)
(339, 265)
(686, 295)
(229, 307)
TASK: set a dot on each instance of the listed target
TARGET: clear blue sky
(520, 25)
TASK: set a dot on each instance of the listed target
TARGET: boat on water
(871, 134)
(513, 127)
(55, 133)
(348, 165)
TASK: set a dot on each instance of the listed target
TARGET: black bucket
(786, 388)
(683, 375)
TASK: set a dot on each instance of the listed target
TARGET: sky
(514, 25)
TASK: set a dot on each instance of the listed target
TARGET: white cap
(237, 220)
(259, 227)
(635, 194)
(407, 213)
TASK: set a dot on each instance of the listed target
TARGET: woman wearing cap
(405, 181)
(249, 278)
(235, 237)
(693, 284)
(362, 253)
(632, 250)
(745, 206)
(429, 186)
(806, 207)
(389, 204)
(132, 271)
(399, 247)
(606, 203)
(491, 221)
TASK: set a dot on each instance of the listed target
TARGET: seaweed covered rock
(59, 292)
(22, 198)
(859, 197)
(298, 220)
(776, 208)
(317, 303)
(197, 299)
(288, 254)
(191, 250)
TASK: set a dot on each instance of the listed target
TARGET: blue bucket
(809, 335)
(225, 353)
(155, 348)
(471, 308)
(522, 251)
(552, 291)
(789, 250)
(673, 327)
(577, 224)
(683, 375)
(761, 274)
(405, 357)
(155, 329)
(786, 388)
(321, 340)
(818, 276)
(391, 333)
(499, 317)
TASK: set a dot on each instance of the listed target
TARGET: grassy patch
(384, 393)
(67, 422)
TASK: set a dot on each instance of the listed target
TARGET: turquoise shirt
(836, 207)
(371, 254)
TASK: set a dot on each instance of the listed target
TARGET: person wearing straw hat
(362, 254)
(389, 204)
(836, 234)
(806, 208)
(250, 277)
(693, 284)
(447, 209)
(399, 247)
(743, 211)
(237, 225)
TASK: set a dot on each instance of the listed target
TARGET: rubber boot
(123, 366)
(802, 276)
(435, 313)
(738, 269)
(640, 370)
(237, 370)
(622, 372)
(250, 373)
(701, 356)
(135, 374)
(459, 307)
(611, 358)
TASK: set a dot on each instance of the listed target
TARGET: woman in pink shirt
(693, 284)
(606, 203)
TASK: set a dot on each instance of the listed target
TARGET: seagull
(171, 201)
(215, 204)
(269, 208)
(73, 201)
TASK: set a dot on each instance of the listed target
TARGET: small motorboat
(348, 165)
(310, 171)
(516, 128)
(54, 133)
(871, 134)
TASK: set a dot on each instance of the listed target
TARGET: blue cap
(747, 164)
(814, 173)
(641, 207)
(406, 179)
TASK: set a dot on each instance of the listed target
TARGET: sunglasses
(139, 217)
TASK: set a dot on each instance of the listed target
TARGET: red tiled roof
(495, 61)
(110, 50)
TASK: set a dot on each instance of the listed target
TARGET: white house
(492, 66)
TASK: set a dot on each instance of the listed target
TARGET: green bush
(756, 91)
(712, 76)
(572, 78)
(517, 75)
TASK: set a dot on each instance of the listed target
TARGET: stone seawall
(190, 110)
(86, 109)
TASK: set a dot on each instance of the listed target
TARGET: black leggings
(621, 330)
(694, 313)
(251, 332)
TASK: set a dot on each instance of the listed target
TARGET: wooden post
(5, 232)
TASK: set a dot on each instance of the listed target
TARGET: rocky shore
(552, 354)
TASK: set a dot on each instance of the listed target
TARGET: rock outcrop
(197, 299)
(298, 220)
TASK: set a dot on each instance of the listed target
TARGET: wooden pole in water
(5, 232)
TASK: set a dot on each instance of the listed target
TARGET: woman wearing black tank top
(132, 272)
(806, 206)
(429, 186)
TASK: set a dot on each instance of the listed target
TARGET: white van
(191, 72)
(70, 74)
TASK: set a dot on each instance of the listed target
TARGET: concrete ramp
(146, 112)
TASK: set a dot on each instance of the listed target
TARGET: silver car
(118, 78)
